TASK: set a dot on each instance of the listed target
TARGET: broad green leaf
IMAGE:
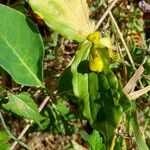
(110, 101)
(21, 47)
(79, 69)
(80, 80)
(68, 17)
(24, 106)
(136, 131)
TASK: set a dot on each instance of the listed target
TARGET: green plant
(91, 82)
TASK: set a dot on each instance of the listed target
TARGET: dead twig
(122, 39)
(105, 14)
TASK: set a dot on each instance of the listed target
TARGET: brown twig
(122, 39)
(105, 14)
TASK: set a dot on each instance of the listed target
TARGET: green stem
(137, 133)
(10, 135)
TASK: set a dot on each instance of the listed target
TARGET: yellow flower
(96, 62)
(94, 38)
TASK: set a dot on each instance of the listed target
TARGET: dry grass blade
(138, 93)
(132, 82)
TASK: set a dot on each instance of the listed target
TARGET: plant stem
(10, 134)
(136, 131)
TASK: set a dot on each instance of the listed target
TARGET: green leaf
(94, 140)
(54, 39)
(85, 83)
(107, 124)
(21, 47)
(24, 106)
(84, 135)
(68, 17)
(136, 131)
(80, 70)
(62, 107)
(109, 102)
(4, 137)
(88, 86)
(99, 95)
(120, 144)
(4, 146)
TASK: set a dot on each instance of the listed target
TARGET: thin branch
(10, 134)
(146, 57)
(28, 125)
(105, 14)
(122, 39)
(125, 45)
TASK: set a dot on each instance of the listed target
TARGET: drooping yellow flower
(94, 38)
(96, 62)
